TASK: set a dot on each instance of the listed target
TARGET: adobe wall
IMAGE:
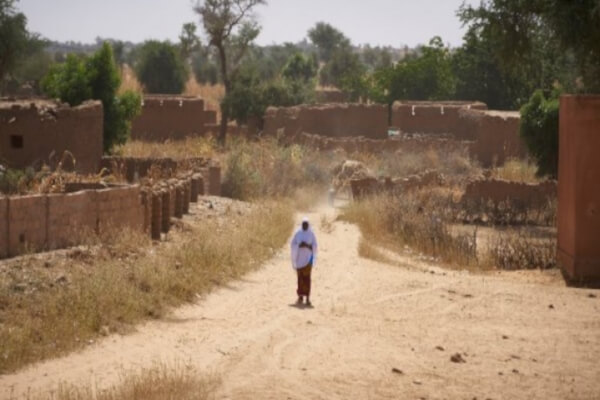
(579, 188)
(333, 120)
(361, 144)
(496, 135)
(498, 191)
(367, 186)
(3, 227)
(31, 131)
(69, 217)
(426, 117)
(27, 224)
(171, 117)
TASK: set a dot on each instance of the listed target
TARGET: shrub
(539, 130)
(160, 68)
(522, 249)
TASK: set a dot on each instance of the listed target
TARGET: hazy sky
(378, 22)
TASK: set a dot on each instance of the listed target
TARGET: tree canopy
(160, 68)
(231, 28)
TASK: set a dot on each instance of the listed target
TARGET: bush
(539, 130)
(160, 68)
(97, 78)
(265, 169)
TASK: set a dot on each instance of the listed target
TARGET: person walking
(304, 256)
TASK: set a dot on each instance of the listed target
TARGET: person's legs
(299, 290)
(307, 283)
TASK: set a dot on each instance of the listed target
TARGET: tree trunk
(224, 110)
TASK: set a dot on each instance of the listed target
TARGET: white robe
(302, 256)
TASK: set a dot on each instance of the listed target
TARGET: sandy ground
(376, 331)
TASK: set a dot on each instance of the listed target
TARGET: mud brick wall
(497, 191)
(27, 224)
(3, 227)
(171, 117)
(361, 144)
(70, 216)
(333, 120)
(496, 135)
(40, 222)
(579, 188)
(432, 117)
(368, 186)
(31, 132)
(120, 208)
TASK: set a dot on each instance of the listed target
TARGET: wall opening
(16, 141)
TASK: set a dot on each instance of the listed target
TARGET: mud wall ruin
(33, 133)
(498, 191)
(51, 221)
(401, 144)
(432, 118)
(46, 222)
(579, 188)
(495, 135)
(333, 120)
(172, 117)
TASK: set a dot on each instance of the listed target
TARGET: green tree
(299, 68)
(539, 130)
(189, 42)
(428, 76)
(97, 78)
(328, 40)
(576, 25)
(69, 81)
(14, 37)
(160, 68)
(231, 29)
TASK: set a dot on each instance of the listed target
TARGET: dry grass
(422, 221)
(212, 94)
(43, 316)
(129, 81)
(371, 252)
(161, 382)
(522, 248)
(455, 165)
(264, 168)
(178, 149)
(416, 220)
(516, 171)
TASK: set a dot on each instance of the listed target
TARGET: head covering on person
(304, 246)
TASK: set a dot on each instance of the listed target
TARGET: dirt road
(377, 331)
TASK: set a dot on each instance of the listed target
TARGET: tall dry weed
(417, 220)
(161, 382)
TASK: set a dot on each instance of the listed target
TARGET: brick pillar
(214, 180)
(579, 188)
(166, 210)
(194, 189)
(201, 191)
(187, 194)
(147, 207)
(156, 215)
(179, 201)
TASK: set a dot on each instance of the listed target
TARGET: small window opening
(22, 238)
(16, 141)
